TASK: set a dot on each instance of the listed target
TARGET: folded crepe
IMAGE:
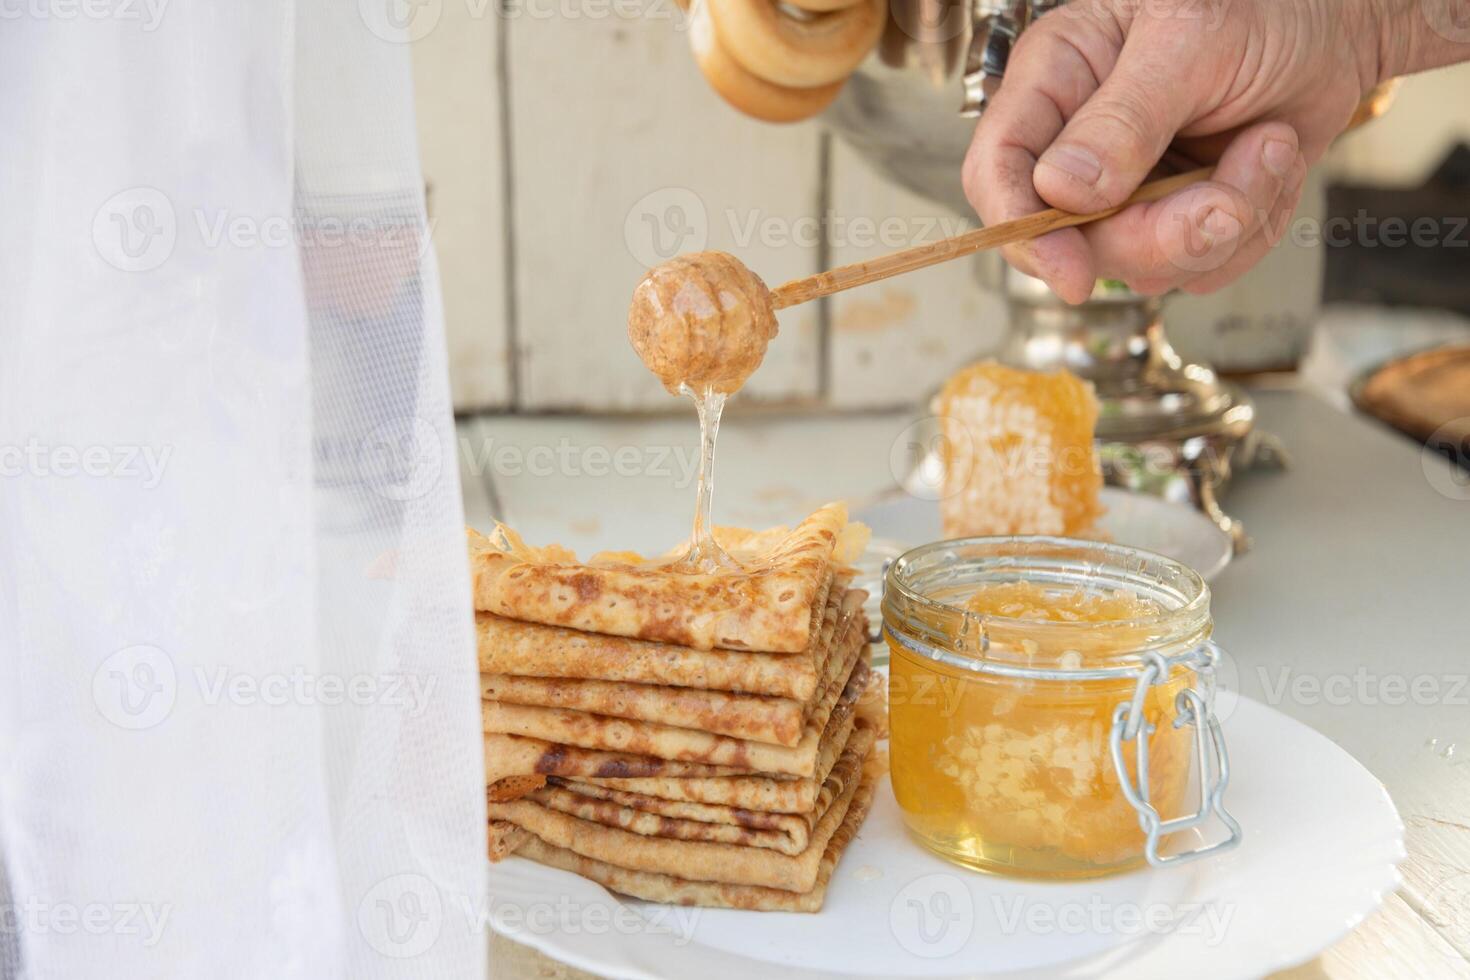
(532, 650)
(747, 716)
(664, 887)
(503, 839)
(768, 605)
(642, 738)
(512, 755)
(753, 717)
(788, 833)
(748, 791)
(514, 648)
(730, 864)
(508, 756)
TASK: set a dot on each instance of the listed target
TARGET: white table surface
(1355, 592)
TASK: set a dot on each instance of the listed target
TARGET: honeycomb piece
(1018, 453)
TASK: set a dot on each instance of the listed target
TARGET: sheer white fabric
(239, 729)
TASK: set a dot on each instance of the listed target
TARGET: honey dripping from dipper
(701, 323)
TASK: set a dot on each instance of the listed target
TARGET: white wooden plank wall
(621, 157)
(894, 342)
(569, 143)
(461, 147)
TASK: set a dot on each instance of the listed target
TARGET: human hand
(1096, 91)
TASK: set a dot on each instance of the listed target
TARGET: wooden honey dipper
(981, 239)
(704, 319)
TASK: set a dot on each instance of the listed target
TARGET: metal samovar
(1166, 425)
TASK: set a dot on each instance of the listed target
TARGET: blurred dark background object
(1402, 246)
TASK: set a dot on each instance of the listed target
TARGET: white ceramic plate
(1321, 846)
(901, 521)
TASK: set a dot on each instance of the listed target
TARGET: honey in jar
(1010, 658)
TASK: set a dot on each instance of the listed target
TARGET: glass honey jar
(1050, 706)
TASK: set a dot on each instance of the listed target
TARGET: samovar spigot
(996, 25)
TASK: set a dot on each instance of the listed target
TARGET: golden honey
(1012, 771)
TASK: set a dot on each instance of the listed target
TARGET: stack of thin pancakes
(686, 737)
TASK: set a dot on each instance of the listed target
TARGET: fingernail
(1278, 156)
(1077, 161)
(1218, 226)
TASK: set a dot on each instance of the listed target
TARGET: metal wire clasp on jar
(1051, 706)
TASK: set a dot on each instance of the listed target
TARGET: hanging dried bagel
(780, 61)
(798, 48)
(750, 93)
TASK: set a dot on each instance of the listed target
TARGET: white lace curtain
(239, 727)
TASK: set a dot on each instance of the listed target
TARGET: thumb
(1112, 142)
